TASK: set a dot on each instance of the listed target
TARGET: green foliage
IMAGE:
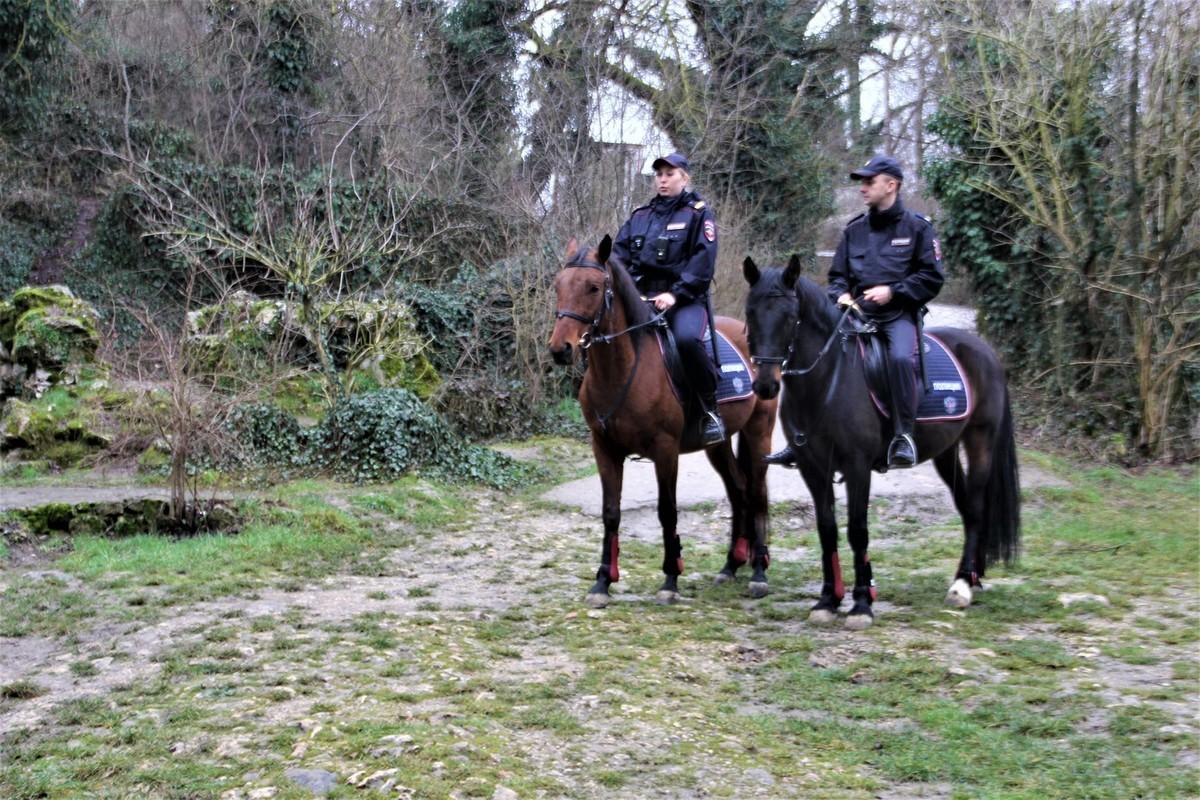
(382, 435)
(480, 59)
(770, 158)
(31, 221)
(33, 34)
(266, 435)
(1051, 177)
(370, 437)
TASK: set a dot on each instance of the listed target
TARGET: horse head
(583, 289)
(772, 312)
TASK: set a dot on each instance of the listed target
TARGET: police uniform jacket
(896, 248)
(670, 245)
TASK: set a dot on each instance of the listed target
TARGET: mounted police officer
(888, 257)
(670, 249)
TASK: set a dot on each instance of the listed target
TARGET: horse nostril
(563, 355)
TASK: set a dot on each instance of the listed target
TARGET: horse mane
(815, 306)
(637, 310)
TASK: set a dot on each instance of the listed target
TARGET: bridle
(586, 340)
(785, 359)
(592, 335)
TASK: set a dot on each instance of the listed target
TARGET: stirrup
(902, 452)
(713, 430)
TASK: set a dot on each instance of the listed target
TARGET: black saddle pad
(735, 380)
(948, 395)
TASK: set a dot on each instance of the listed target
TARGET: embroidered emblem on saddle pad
(734, 380)
(948, 395)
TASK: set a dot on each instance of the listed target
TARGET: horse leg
(612, 471)
(667, 471)
(754, 442)
(968, 492)
(723, 461)
(858, 492)
(820, 486)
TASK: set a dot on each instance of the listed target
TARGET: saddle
(734, 381)
(946, 394)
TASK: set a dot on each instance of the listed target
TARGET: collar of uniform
(671, 204)
(881, 219)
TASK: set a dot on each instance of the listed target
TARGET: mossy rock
(88, 525)
(47, 519)
(49, 327)
(377, 338)
(62, 426)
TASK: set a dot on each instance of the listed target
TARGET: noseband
(787, 357)
(594, 322)
(783, 359)
(593, 336)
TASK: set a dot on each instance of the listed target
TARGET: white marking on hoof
(822, 616)
(597, 599)
(722, 577)
(666, 597)
(959, 595)
(859, 622)
(758, 589)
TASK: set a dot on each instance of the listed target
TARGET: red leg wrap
(741, 550)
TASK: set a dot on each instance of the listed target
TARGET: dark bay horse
(631, 408)
(834, 425)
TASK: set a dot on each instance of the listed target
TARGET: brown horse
(631, 408)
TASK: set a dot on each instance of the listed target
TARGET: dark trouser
(688, 323)
(901, 337)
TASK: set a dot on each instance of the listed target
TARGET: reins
(838, 332)
(593, 336)
(787, 357)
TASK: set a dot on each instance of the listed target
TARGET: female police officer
(670, 249)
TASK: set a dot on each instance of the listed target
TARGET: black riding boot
(785, 457)
(712, 427)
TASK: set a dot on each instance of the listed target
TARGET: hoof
(822, 616)
(597, 599)
(959, 595)
(722, 577)
(666, 597)
(758, 589)
(859, 622)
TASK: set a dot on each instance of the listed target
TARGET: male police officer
(670, 248)
(890, 258)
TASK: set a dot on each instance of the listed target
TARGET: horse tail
(1002, 494)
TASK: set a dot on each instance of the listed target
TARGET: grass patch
(718, 696)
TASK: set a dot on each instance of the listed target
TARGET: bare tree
(1086, 118)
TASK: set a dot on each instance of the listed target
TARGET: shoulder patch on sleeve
(710, 230)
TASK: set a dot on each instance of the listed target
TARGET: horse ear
(792, 273)
(750, 270)
(605, 248)
(572, 247)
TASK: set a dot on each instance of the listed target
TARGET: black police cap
(879, 165)
(678, 160)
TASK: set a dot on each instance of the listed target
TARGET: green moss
(48, 327)
(48, 519)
